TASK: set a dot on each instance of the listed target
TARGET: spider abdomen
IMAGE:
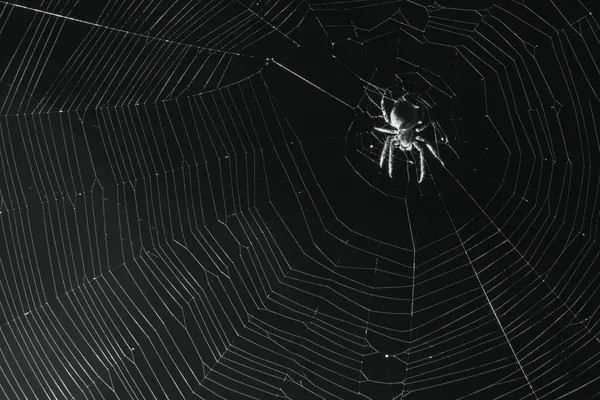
(403, 115)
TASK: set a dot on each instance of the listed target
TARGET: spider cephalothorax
(406, 119)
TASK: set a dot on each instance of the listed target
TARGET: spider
(406, 119)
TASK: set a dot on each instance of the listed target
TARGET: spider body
(405, 119)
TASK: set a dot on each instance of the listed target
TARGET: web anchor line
(141, 35)
(310, 83)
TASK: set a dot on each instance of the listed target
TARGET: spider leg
(421, 162)
(422, 128)
(431, 149)
(390, 159)
(384, 151)
(386, 130)
(383, 112)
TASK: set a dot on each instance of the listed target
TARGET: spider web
(192, 206)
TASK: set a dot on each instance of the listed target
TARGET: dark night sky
(192, 205)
